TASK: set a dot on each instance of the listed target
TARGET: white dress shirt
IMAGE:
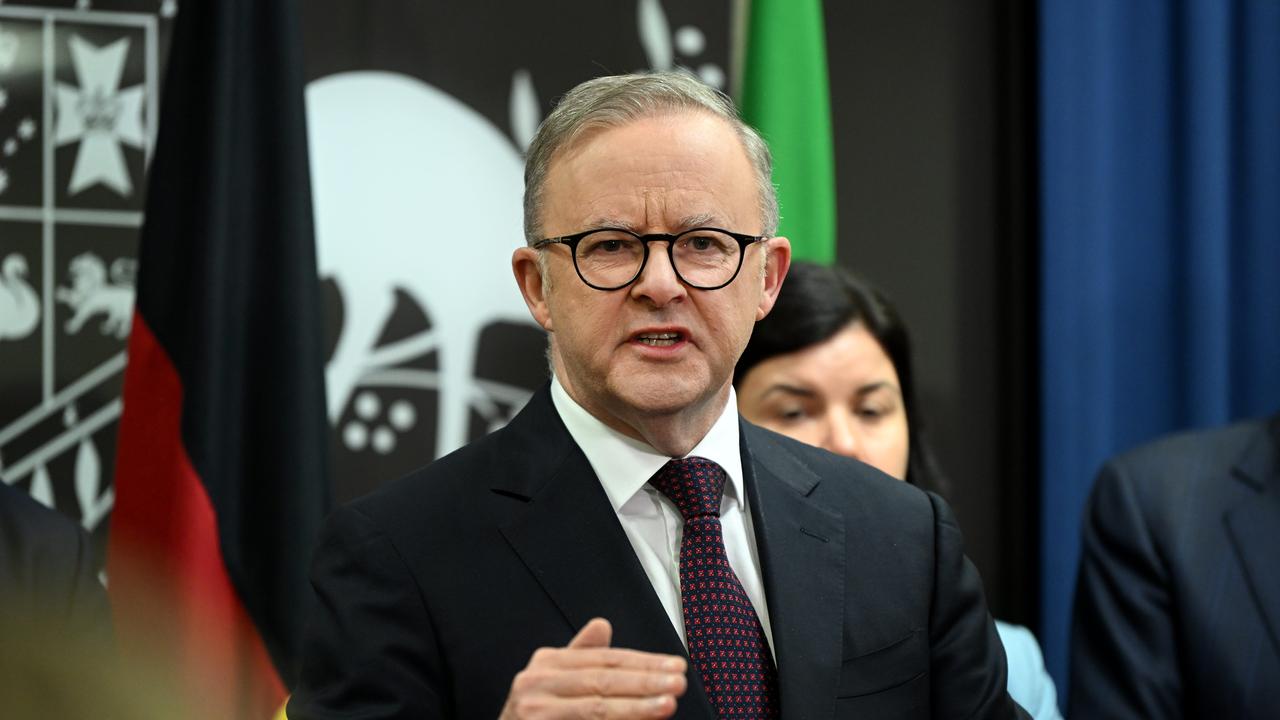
(652, 523)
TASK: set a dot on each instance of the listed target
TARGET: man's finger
(620, 658)
(662, 706)
(595, 634)
(610, 682)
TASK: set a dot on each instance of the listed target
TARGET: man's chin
(666, 395)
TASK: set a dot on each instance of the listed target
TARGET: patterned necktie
(726, 643)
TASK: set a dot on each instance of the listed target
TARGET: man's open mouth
(665, 339)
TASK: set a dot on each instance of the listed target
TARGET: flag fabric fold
(785, 95)
(222, 467)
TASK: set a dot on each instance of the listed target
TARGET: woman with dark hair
(831, 366)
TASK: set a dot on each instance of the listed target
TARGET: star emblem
(100, 116)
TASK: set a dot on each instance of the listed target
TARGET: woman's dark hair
(816, 303)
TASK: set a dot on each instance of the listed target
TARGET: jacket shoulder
(842, 483)
(1190, 451)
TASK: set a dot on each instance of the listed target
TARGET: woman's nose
(842, 435)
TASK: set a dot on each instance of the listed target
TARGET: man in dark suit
(48, 572)
(626, 546)
(1177, 608)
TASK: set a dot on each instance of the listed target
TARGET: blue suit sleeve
(1123, 652)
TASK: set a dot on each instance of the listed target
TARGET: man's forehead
(616, 222)
(661, 173)
(723, 135)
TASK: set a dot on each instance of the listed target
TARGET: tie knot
(694, 484)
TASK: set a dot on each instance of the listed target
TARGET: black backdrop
(934, 130)
(934, 136)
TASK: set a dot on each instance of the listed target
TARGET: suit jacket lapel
(802, 559)
(570, 539)
(1254, 524)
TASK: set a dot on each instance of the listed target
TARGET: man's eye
(701, 243)
(597, 246)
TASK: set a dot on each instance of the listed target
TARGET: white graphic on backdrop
(414, 189)
(19, 304)
(79, 85)
(91, 293)
(660, 44)
(100, 116)
(9, 46)
(95, 502)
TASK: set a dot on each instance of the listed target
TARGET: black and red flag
(222, 477)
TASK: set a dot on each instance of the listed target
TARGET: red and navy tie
(726, 643)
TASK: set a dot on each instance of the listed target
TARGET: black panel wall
(934, 137)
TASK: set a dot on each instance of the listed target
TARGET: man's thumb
(596, 633)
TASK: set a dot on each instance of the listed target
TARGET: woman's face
(841, 394)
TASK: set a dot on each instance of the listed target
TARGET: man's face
(655, 347)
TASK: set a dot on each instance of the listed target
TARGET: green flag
(784, 95)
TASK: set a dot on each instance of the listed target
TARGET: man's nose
(842, 435)
(658, 281)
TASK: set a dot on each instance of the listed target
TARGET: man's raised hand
(589, 679)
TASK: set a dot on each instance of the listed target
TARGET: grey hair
(613, 101)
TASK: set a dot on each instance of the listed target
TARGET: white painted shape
(100, 160)
(384, 440)
(525, 111)
(19, 303)
(413, 189)
(94, 505)
(99, 115)
(690, 41)
(402, 415)
(91, 293)
(368, 406)
(712, 75)
(9, 46)
(655, 34)
(42, 487)
(355, 435)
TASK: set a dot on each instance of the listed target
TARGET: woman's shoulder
(1029, 682)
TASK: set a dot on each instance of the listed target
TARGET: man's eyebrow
(602, 222)
(787, 389)
(609, 223)
(700, 220)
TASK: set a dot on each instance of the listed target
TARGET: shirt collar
(624, 465)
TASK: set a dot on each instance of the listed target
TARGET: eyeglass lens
(704, 258)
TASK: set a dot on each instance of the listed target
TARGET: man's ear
(776, 263)
(524, 264)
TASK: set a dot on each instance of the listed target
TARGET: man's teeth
(659, 339)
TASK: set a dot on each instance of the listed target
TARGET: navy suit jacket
(1177, 606)
(48, 572)
(434, 591)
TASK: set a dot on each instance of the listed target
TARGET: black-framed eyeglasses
(705, 258)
